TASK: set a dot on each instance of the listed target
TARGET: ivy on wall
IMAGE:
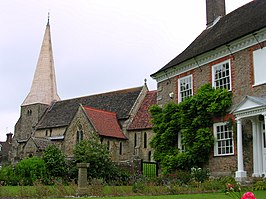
(193, 119)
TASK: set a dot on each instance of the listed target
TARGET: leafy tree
(193, 119)
(55, 161)
(30, 170)
(95, 153)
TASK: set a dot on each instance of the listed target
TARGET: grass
(119, 192)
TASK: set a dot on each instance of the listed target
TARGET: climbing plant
(193, 119)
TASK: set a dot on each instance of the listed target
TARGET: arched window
(145, 140)
(108, 145)
(149, 156)
(79, 134)
(120, 148)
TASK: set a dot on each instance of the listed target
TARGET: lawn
(60, 192)
(258, 194)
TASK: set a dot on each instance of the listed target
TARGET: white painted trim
(215, 137)
(179, 94)
(213, 73)
(210, 56)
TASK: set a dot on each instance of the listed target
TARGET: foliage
(193, 119)
(95, 153)
(199, 174)
(260, 185)
(30, 170)
(54, 161)
(8, 175)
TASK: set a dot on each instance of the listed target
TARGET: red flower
(248, 195)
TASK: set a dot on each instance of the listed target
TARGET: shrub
(259, 185)
(95, 153)
(199, 174)
(55, 162)
(8, 176)
(30, 170)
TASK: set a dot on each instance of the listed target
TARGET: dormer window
(221, 75)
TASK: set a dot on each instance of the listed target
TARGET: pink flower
(248, 195)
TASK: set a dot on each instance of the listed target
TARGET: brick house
(230, 53)
(45, 119)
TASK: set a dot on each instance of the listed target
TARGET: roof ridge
(105, 93)
(99, 110)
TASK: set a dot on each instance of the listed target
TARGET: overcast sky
(98, 45)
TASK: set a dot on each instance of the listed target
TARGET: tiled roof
(142, 120)
(241, 22)
(61, 112)
(104, 122)
(41, 143)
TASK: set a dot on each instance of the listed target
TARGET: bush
(55, 162)
(199, 174)
(8, 176)
(30, 170)
(259, 185)
(95, 153)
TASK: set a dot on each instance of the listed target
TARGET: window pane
(224, 140)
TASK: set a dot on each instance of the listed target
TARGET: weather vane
(48, 17)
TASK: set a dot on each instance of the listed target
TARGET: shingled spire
(43, 89)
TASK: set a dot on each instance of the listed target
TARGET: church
(120, 118)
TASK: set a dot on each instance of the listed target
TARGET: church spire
(43, 89)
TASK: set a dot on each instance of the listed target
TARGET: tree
(193, 119)
(55, 161)
(95, 153)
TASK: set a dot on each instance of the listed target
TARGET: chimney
(214, 10)
(9, 138)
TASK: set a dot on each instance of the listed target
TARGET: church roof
(239, 23)
(104, 122)
(61, 112)
(43, 89)
(41, 143)
(142, 120)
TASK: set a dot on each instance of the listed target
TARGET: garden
(53, 176)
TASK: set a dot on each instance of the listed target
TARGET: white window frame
(215, 68)
(223, 139)
(259, 66)
(180, 99)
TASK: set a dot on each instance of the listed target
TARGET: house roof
(241, 22)
(104, 122)
(142, 120)
(61, 112)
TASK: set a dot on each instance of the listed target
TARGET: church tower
(42, 95)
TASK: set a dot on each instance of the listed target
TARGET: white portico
(253, 109)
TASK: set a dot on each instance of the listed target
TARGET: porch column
(240, 174)
(259, 148)
(255, 131)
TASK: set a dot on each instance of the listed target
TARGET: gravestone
(82, 178)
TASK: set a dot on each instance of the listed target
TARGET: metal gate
(149, 169)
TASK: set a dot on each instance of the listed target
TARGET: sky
(98, 45)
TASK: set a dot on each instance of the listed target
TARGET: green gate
(149, 169)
